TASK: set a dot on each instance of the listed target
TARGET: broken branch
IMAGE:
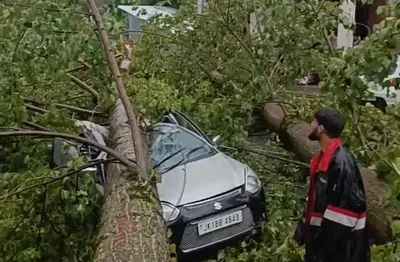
(268, 154)
(57, 178)
(36, 109)
(65, 106)
(128, 163)
(36, 126)
(84, 86)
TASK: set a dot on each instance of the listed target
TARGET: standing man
(334, 226)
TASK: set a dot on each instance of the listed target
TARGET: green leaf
(396, 227)
(82, 193)
(65, 194)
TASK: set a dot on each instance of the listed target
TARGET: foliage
(277, 243)
(45, 39)
(55, 222)
(296, 39)
(205, 65)
(189, 53)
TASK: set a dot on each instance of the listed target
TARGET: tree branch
(211, 75)
(75, 69)
(53, 227)
(224, 22)
(82, 66)
(101, 161)
(36, 126)
(36, 109)
(140, 152)
(128, 163)
(18, 43)
(65, 106)
(86, 65)
(324, 32)
(42, 215)
(275, 67)
(80, 110)
(84, 86)
(268, 154)
(302, 93)
(47, 9)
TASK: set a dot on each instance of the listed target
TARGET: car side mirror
(217, 140)
(62, 152)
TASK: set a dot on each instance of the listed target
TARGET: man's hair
(332, 121)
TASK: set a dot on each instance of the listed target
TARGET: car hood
(201, 179)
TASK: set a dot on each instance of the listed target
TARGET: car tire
(381, 104)
(181, 257)
(258, 234)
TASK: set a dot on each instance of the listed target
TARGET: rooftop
(146, 12)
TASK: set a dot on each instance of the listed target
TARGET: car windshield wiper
(173, 166)
(183, 159)
(194, 150)
(169, 157)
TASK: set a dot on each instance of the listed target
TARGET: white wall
(253, 25)
(344, 36)
(135, 24)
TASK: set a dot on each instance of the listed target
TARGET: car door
(391, 96)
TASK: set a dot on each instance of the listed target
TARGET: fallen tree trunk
(132, 227)
(294, 136)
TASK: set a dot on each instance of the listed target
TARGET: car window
(172, 146)
(167, 119)
(187, 123)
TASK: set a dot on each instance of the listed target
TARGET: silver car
(207, 197)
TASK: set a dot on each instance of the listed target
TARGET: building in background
(140, 15)
(365, 17)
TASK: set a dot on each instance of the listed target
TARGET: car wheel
(258, 235)
(381, 104)
(180, 257)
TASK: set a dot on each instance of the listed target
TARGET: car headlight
(253, 184)
(170, 212)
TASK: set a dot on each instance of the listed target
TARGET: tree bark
(140, 151)
(132, 227)
(294, 136)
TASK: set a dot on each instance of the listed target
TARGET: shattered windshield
(173, 146)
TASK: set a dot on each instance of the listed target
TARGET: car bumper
(185, 233)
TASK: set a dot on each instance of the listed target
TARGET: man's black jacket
(335, 217)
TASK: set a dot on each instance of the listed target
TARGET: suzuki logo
(217, 205)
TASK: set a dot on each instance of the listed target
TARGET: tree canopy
(53, 71)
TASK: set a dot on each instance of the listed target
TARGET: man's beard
(314, 136)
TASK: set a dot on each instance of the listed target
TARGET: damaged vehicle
(208, 199)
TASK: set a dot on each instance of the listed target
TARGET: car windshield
(173, 146)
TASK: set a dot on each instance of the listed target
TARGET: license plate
(220, 222)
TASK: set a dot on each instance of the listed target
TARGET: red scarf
(320, 163)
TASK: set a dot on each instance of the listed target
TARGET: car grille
(192, 240)
(215, 199)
